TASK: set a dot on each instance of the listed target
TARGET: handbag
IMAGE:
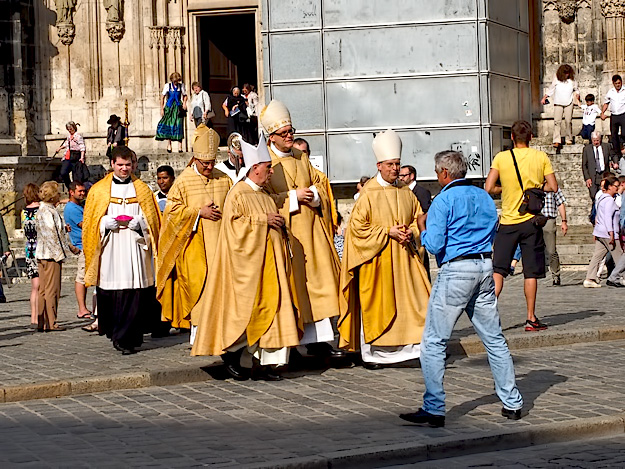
(209, 114)
(533, 199)
(81, 172)
(182, 112)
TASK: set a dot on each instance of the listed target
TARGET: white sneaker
(591, 284)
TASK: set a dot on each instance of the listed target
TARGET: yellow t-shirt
(534, 165)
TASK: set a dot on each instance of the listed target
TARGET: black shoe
(3, 299)
(233, 367)
(422, 417)
(263, 373)
(324, 349)
(123, 350)
(610, 283)
(511, 414)
(372, 366)
(556, 281)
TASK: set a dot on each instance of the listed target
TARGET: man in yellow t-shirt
(516, 228)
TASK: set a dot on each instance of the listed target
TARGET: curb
(95, 384)
(530, 340)
(447, 447)
(191, 374)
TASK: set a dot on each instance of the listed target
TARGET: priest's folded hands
(400, 233)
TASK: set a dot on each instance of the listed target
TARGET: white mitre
(387, 146)
(275, 116)
(253, 155)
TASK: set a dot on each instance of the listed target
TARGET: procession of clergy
(245, 257)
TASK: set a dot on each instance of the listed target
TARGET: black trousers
(617, 122)
(67, 166)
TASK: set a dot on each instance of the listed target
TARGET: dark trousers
(587, 130)
(66, 168)
(617, 128)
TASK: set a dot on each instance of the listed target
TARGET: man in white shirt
(615, 100)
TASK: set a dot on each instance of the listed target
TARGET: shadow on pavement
(531, 385)
(563, 318)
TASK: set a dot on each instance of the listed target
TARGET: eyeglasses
(205, 163)
(404, 175)
(284, 133)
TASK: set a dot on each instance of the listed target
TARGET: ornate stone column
(614, 12)
(158, 46)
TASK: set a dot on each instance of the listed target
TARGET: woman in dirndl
(173, 110)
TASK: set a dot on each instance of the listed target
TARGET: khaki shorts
(80, 273)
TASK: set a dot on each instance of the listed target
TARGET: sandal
(86, 316)
(90, 328)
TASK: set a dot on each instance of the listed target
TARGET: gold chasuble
(316, 264)
(383, 283)
(187, 244)
(96, 207)
(248, 289)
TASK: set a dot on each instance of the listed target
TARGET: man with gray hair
(595, 160)
(459, 230)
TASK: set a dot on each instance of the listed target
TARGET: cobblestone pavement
(29, 357)
(595, 453)
(224, 423)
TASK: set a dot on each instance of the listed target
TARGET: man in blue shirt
(460, 230)
(73, 215)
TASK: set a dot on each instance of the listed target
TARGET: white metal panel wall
(440, 72)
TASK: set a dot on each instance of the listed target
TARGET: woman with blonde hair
(52, 250)
(74, 146)
(173, 110)
(29, 217)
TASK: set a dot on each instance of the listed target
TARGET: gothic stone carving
(116, 30)
(65, 11)
(566, 9)
(114, 10)
(66, 33)
(613, 8)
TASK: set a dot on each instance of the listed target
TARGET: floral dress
(30, 234)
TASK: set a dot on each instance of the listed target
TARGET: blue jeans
(465, 286)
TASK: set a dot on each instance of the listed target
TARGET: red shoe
(534, 325)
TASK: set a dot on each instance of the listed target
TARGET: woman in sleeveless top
(173, 106)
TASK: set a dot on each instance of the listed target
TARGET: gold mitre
(275, 116)
(387, 146)
(205, 143)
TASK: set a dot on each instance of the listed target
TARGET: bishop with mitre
(384, 286)
(191, 223)
(248, 290)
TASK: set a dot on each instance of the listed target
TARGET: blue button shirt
(73, 215)
(462, 220)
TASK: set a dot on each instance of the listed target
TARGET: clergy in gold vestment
(120, 234)
(298, 191)
(384, 286)
(191, 223)
(248, 289)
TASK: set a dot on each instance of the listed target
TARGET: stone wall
(589, 35)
